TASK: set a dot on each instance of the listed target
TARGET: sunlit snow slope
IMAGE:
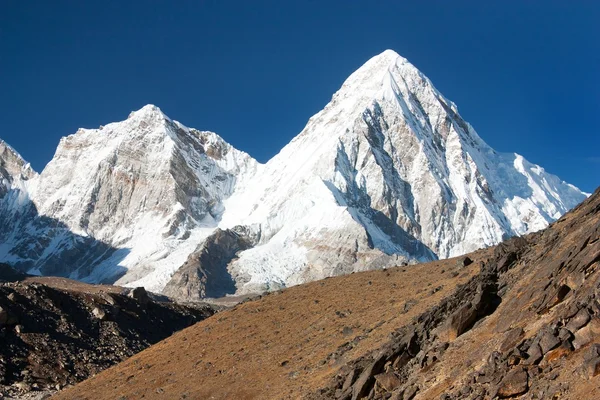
(387, 173)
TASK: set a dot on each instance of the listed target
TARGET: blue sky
(524, 73)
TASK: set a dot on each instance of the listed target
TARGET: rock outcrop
(205, 273)
(527, 325)
(56, 332)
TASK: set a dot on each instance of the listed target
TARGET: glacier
(387, 173)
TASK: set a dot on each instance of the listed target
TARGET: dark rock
(349, 380)
(57, 339)
(366, 379)
(587, 334)
(401, 360)
(9, 274)
(410, 392)
(409, 305)
(388, 381)
(534, 354)
(460, 321)
(513, 359)
(511, 339)
(591, 363)
(548, 341)
(564, 334)
(571, 310)
(578, 321)
(140, 295)
(484, 302)
(516, 382)
(205, 273)
(558, 297)
(410, 343)
(552, 375)
(464, 262)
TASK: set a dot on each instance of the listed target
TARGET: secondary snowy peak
(129, 200)
(145, 164)
(13, 168)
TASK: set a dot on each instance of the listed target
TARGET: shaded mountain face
(388, 173)
(517, 320)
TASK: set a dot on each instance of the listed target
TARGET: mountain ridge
(387, 173)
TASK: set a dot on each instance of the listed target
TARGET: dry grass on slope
(284, 345)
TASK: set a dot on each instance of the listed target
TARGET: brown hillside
(521, 320)
(56, 332)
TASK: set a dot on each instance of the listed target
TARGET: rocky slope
(57, 332)
(527, 326)
(519, 320)
(387, 173)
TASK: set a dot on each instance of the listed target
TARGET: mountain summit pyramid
(387, 173)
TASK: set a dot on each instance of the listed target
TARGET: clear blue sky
(524, 73)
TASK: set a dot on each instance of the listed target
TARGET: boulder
(559, 296)
(511, 339)
(578, 321)
(548, 341)
(534, 354)
(516, 382)
(388, 381)
(587, 334)
(99, 313)
(591, 363)
(460, 322)
(140, 295)
(365, 380)
(464, 262)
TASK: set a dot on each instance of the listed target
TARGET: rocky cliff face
(387, 173)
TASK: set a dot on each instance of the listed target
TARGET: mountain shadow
(40, 245)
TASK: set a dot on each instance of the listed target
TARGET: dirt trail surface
(56, 332)
(520, 320)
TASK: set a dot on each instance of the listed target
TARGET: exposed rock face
(13, 169)
(544, 306)
(205, 274)
(61, 332)
(387, 173)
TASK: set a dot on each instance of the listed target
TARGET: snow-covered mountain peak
(149, 111)
(13, 168)
(387, 173)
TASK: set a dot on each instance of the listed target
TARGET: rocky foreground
(520, 320)
(56, 332)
